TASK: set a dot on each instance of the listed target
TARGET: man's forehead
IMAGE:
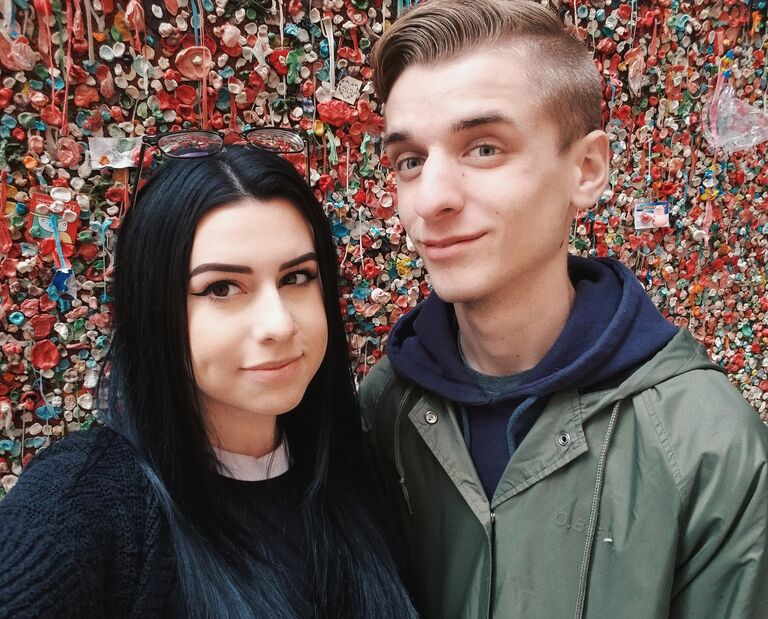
(512, 54)
(451, 109)
(483, 81)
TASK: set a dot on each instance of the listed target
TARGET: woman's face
(257, 325)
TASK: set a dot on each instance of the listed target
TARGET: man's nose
(440, 184)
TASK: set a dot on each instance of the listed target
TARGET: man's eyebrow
(478, 121)
(457, 127)
(222, 267)
(394, 138)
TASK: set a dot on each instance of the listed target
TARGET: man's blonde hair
(564, 80)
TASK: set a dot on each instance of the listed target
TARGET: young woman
(229, 481)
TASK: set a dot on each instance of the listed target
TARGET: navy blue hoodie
(612, 328)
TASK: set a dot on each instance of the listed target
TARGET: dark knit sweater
(82, 534)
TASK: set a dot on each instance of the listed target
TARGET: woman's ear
(591, 157)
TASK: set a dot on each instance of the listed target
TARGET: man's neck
(511, 331)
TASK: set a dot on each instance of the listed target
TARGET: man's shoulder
(704, 398)
(690, 398)
(378, 377)
(702, 420)
(381, 391)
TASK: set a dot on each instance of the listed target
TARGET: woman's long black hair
(151, 399)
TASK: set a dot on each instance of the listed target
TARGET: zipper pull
(404, 488)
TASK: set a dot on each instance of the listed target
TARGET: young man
(554, 447)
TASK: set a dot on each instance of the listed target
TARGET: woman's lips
(273, 370)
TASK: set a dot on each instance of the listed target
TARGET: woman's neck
(241, 432)
(249, 468)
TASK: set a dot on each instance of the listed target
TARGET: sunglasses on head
(190, 144)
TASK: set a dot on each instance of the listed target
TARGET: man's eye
(485, 150)
(409, 163)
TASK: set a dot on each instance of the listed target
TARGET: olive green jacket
(645, 500)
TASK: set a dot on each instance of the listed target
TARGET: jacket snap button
(430, 417)
(563, 439)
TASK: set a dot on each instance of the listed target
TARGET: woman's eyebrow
(221, 267)
(310, 255)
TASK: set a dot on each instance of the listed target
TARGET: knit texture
(82, 535)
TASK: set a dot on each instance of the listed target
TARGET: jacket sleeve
(722, 569)
(371, 390)
(374, 395)
(51, 542)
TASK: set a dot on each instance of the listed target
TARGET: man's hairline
(506, 43)
(501, 44)
(498, 46)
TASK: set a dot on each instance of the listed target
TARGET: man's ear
(591, 157)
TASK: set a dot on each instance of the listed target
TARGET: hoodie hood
(612, 328)
(683, 354)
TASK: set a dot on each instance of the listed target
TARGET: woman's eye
(220, 290)
(299, 278)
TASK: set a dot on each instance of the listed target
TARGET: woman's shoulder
(88, 472)
(81, 516)
(95, 454)
(79, 446)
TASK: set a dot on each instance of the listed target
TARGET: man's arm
(373, 402)
(723, 552)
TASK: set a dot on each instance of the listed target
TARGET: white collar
(252, 468)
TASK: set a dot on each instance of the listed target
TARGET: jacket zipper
(398, 458)
(595, 513)
(492, 587)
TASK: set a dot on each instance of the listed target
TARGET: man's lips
(451, 240)
(448, 247)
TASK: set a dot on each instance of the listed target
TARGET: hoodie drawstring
(592, 526)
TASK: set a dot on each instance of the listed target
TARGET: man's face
(484, 192)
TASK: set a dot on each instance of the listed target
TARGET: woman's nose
(272, 317)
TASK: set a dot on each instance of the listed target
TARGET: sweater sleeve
(66, 533)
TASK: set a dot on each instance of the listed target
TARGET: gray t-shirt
(493, 386)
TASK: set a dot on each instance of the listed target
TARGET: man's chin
(455, 291)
